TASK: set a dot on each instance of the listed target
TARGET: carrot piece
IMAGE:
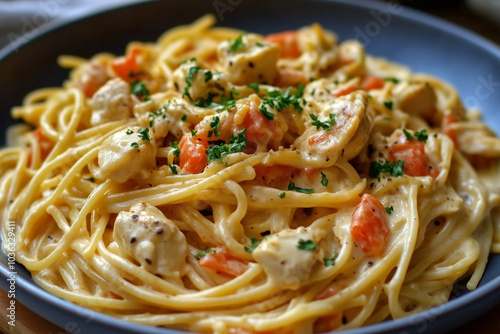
(412, 152)
(287, 77)
(260, 130)
(220, 260)
(45, 143)
(126, 67)
(369, 226)
(193, 155)
(93, 77)
(372, 82)
(344, 91)
(288, 41)
(447, 130)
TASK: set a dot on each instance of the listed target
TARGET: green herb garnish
(326, 125)
(394, 168)
(237, 44)
(292, 186)
(309, 245)
(255, 243)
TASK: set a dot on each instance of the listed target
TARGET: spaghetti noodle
(227, 182)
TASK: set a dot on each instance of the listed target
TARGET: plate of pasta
(252, 167)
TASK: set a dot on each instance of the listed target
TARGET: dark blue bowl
(387, 29)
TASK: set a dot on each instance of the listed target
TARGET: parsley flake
(201, 254)
(292, 186)
(236, 144)
(214, 124)
(326, 125)
(324, 180)
(138, 88)
(177, 151)
(237, 44)
(389, 209)
(255, 243)
(309, 245)
(255, 87)
(144, 134)
(388, 104)
(330, 261)
(267, 114)
(394, 169)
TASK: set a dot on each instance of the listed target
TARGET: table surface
(489, 323)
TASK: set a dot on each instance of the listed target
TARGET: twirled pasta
(222, 181)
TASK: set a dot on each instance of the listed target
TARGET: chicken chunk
(249, 61)
(154, 241)
(111, 102)
(418, 99)
(336, 124)
(288, 257)
(197, 83)
(127, 154)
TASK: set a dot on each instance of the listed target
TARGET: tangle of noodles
(226, 182)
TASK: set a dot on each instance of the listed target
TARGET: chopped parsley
(324, 180)
(389, 209)
(214, 124)
(394, 168)
(292, 186)
(267, 114)
(282, 100)
(177, 151)
(201, 254)
(330, 261)
(236, 144)
(91, 179)
(254, 86)
(255, 243)
(391, 79)
(129, 132)
(309, 245)
(418, 135)
(184, 117)
(388, 104)
(189, 79)
(160, 112)
(144, 134)
(207, 103)
(282, 195)
(326, 125)
(138, 88)
(194, 132)
(226, 105)
(173, 169)
(135, 145)
(237, 44)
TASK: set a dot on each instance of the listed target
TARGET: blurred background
(23, 17)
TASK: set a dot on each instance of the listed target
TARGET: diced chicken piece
(167, 119)
(127, 154)
(321, 51)
(341, 120)
(111, 102)
(249, 62)
(90, 77)
(154, 241)
(476, 138)
(418, 99)
(197, 83)
(286, 259)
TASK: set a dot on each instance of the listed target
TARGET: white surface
(22, 18)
